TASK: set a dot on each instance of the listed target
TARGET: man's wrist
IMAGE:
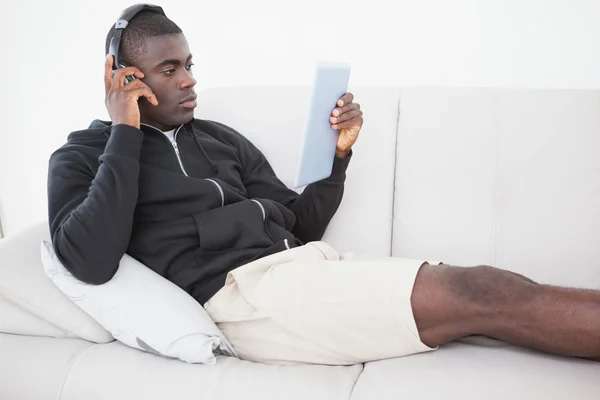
(342, 154)
(338, 173)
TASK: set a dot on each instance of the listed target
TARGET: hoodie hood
(98, 133)
(99, 128)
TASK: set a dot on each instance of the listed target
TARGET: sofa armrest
(25, 285)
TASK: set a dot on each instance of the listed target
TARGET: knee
(488, 286)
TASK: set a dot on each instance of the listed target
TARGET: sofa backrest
(273, 119)
(468, 176)
(507, 177)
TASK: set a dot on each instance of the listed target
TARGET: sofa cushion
(548, 206)
(509, 178)
(445, 176)
(36, 367)
(273, 118)
(24, 283)
(129, 374)
(461, 372)
(168, 322)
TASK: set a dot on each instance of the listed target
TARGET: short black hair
(144, 25)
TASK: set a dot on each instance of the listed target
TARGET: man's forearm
(91, 219)
(319, 202)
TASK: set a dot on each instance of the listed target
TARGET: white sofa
(509, 178)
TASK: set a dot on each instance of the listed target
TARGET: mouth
(189, 102)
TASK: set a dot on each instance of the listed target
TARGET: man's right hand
(122, 99)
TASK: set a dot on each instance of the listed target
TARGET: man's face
(166, 63)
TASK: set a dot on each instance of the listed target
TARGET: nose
(187, 81)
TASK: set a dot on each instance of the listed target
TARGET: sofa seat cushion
(465, 371)
(73, 369)
(36, 367)
(127, 373)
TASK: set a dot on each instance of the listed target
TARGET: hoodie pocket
(278, 220)
(235, 226)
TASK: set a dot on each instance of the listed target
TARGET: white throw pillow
(143, 310)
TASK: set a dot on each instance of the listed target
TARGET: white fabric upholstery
(467, 372)
(14, 319)
(548, 206)
(273, 119)
(23, 282)
(129, 374)
(445, 170)
(509, 178)
(34, 368)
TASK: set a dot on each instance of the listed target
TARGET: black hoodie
(191, 212)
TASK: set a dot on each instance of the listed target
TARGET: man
(199, 204)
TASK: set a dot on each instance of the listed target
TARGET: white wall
(53, 59)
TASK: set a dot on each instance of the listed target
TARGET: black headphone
(115, 42)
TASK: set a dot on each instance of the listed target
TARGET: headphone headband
(126, 16)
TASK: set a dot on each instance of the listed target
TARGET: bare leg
(453, 302)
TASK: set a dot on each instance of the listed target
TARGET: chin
(187, 118)
(180, 118)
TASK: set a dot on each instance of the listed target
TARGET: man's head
(156, 45)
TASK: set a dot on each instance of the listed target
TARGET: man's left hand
(347, 118)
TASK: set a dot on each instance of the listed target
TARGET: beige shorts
(314, 305)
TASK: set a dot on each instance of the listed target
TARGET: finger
(144, 92)
(346, 116)
(358, 121)
(339, 111)
(108, 74)
(137, 84)
(345, 99)
(121, 73)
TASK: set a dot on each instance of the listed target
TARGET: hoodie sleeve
(91, 217)
(314, 208)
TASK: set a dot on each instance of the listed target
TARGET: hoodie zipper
(176, 148)
(174, 143)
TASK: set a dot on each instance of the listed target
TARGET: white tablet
(317, 150)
